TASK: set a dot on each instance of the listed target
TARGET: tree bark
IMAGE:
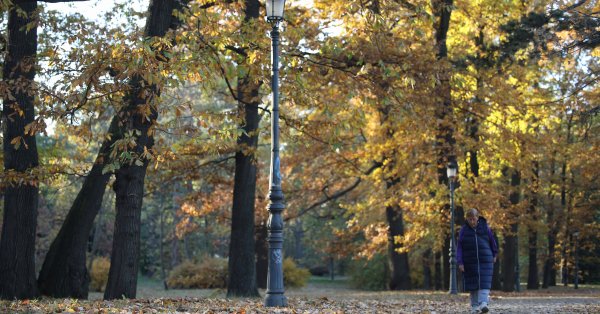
(437, 275)
(122, 278)
(64, 273)
(564, 217)
(444, 129)
(509, 249)
(262, 254)
(298, 230)
(445, 133)
(496, 284)
(427, 278)
(533, 276)
(17, 246)
(549, 270)
(446, 264)
(242, 270)
(549, 274)
(129, 183)
(400, 279)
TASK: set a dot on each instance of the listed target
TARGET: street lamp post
(452, 169)
(275, 290)
(576, 235)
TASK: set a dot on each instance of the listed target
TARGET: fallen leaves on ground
(384, 302)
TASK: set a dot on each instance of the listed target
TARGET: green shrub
(99, 273)
(294, 276)
(370, 274)
(209, 273)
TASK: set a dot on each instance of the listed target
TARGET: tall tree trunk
(549, 270)
(444, 129)
(446, 264)
(460, 221)
(427, 278)
(242, 270)
(509, 250)
(565, 208)
(242, 278)
(64, 273)
(262, 254)
(496, 284)
(400, 279)
(437, 275)
(298, 230)
(445, 133)
(175, 258)
(565, 214)
(17, 246)
(122, 278)
(129, 183)
(161, 243)
(549, 274)
(533, 278)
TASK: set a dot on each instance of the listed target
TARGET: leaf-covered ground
(385, 303)
(319, 298)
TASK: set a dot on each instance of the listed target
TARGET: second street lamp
(274, 293)
(452, 169)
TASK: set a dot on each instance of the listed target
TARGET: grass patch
(325, 281)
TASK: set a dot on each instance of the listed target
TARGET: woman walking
(476, 255)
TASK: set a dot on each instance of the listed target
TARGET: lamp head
(275, 10)
(451, 170)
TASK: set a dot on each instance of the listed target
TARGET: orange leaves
(185, 226)
(189, 209)
(12, 178)
(377, 239)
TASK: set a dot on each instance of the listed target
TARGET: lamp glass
(275, 9)
(451, 172)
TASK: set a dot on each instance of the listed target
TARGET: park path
(554, 300)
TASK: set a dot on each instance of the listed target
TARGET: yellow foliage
(99, 273)
(294, 276)
(209, 273)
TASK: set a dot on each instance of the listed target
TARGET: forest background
(143, 137)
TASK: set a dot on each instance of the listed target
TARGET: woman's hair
(472, 212)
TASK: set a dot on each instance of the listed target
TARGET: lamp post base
(275, 300)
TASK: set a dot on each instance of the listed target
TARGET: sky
(93, 9)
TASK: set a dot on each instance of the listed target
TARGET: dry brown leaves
(386, 302)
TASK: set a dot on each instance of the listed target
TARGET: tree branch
(334, 196)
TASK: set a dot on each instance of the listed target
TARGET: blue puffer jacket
(476, 250)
